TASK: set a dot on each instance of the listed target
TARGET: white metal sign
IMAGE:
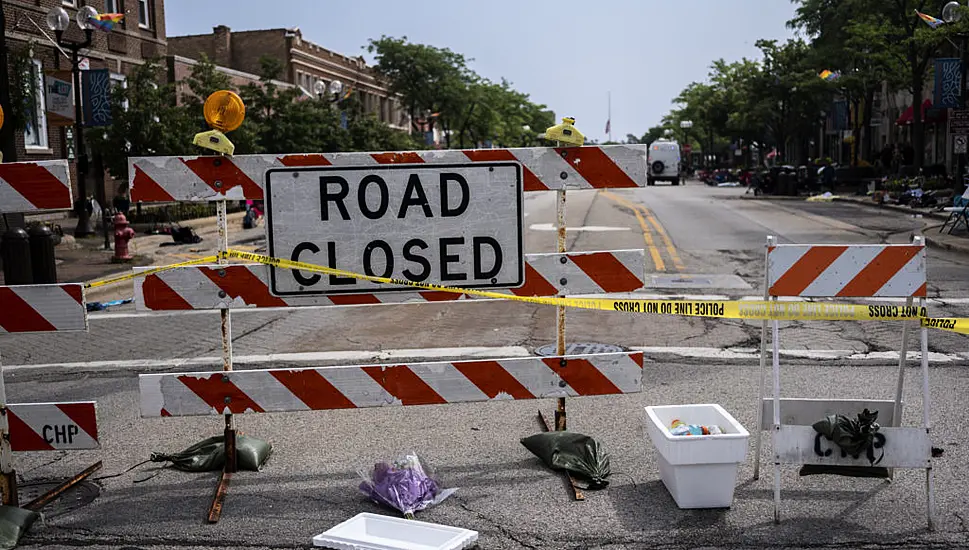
(960, 144)
(455, 224)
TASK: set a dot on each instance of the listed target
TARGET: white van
(663, 162)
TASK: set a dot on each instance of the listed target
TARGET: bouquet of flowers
(405, 485)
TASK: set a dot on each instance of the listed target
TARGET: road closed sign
(455, 225)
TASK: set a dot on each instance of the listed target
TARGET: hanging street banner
(96, 90)
(451, 224)
(59, 95)
(948, 82)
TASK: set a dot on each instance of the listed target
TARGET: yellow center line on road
(647, 232)
(666, 239)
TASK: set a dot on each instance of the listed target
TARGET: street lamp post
(686, 125)
(951, 14)
(58, 21)
(526, 134)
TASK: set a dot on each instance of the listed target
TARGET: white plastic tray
(375, 532)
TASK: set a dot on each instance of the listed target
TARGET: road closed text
(449, 224)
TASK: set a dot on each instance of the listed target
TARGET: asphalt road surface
(699, 241)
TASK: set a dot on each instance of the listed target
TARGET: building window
(35, 134)
(144, 14)
(112, 6)
(120, 80)
(72, 3)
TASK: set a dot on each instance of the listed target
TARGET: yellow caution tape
(713, 309)
(145, 273)
(717, 309)
(949, 324)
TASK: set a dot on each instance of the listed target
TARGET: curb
(896, 208)
(935, 242)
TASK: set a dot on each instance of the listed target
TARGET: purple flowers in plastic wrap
(404, 485)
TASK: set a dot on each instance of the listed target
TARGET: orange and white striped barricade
(845, 271)
(32, 187)
(351, 387)
(246, 286)
(488, 185)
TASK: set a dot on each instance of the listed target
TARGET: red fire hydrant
(122, 234)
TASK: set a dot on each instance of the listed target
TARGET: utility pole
(961, 166)
(8, 144)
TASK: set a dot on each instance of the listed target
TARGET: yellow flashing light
(566, 133)
(224, 110)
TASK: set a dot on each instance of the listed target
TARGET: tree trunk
(710, 152)
(918, 130)
(866, 121)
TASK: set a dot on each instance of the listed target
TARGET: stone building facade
(304, 64)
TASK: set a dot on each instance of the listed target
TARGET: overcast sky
(567, 54)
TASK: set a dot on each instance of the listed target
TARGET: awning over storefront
(929, 115)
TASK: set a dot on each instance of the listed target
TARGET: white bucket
(700, 471)
(375, 532)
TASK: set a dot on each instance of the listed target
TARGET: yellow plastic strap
(717, 309)
(145, 273)
(949, 324)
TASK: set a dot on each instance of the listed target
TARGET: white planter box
(375, 532)
(700, 471)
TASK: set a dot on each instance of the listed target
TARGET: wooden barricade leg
(215, 511)
(560, 418)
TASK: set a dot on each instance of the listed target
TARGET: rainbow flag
(106, 21)
(829, 75)
(929, 20)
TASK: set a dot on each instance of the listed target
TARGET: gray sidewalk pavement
(86, 260)
(957, 241)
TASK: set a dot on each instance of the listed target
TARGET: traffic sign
(687, 148)
(959, 123)
(53, 426)
(449, 224)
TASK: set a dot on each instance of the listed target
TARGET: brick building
(304, 64)
(180, 68)
(140, 36)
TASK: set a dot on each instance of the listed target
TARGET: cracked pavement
(504, 492)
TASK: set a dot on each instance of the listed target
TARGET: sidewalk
(958, 241)
(86, 260)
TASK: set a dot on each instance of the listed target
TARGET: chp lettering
(60, 434)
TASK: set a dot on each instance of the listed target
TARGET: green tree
(145, 122)
(787, 95)
(285, 120)
(437, 85)
(204, 80)
(893, 29)
(429, 79)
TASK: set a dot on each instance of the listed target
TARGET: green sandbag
(854, 437)
(574, 452)
(208, 455)
(14, 523)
